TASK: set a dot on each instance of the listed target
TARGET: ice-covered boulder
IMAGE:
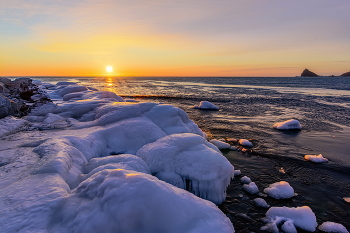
(300, 217)
(316, 158)
(206, 105)
(71, 88)
(220, 144)
(288, 125)
(332, 227)
(280, 190)
(245, 142)
(202, 167)
(127, 201)
(103, 95)
(261, 203)
(251, 188)
(246, 180)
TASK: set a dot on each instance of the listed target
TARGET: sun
(109, 69)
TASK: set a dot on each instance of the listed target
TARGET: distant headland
(308, 73)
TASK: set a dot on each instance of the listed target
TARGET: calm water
(248, 109)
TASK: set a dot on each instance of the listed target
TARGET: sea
(248, 108)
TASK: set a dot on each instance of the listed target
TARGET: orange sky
(174, 38)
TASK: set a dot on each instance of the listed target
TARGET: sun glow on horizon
(109, 69)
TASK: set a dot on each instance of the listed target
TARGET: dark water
(248, 109)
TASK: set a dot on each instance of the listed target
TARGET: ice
(237, 172)
(133, 161)
(204, 170)
(245, 142)
(288, 125)
(300, 217)
(52, 118)
(206, 105)
(246, 180)
(332, 227)
(261, 203)
(251, 188)
(220, 144)
(71, 88)
(316, 158)
(86, 177)
(126, 201)
(280, 190)
(103, 95)
(10, 124)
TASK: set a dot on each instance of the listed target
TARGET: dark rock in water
(18, 97)
(347, 74)
(308, 73)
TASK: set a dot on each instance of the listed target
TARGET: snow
(237, 172)
(206, 105)
(10, 124)
(128, 201)
(300, 217)
(245, 142)
(316, 158)
(90, 162)
(261, 203)
(197, 161)
(220, 144)
(280, 190)
(246, 180)
(251, 188)
(288, 125)
(332, 227)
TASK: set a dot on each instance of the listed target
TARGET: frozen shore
(91, 162)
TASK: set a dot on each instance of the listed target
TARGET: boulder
(18, 97)
(347, 74)
(308, 73)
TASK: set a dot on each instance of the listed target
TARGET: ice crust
(288, 125)
(98, 173)
(299, 217)
(280, 190)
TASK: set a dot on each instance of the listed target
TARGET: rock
(18, 97)
(308, 73)
(347, 74)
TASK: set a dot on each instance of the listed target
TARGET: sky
(174, 37)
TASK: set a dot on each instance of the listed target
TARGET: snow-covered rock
(246, 180)
(245, 142)
(280, 190)
(300, 217)
(316, 158)
(261, 203)
(237, 172)
(127, 201)
(288, 125)
(220, 144)
(251, 188)
(332, 227)
(206, 105)
(200, 163)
